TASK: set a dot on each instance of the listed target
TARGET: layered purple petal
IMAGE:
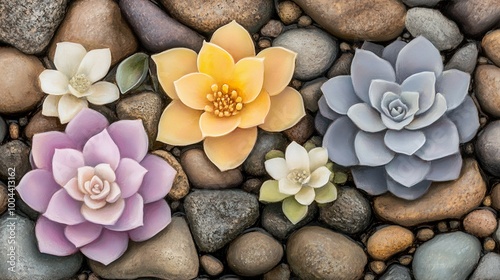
(409, 193)
(36, 188)
(64, 209)
(84, 125)
(372, 180)
(44, 146)
(157, 216)
(107, 215)
(65, 164)
(51, 238)
(132, 216)
(339, 94)
(82, 234)
(131, 138)
(417, 56)
(159, 179)
(466, 119)
(100, 148)
(107, 248)
(339, 141)
(129, 176)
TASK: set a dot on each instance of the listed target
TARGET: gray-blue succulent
(398, 119)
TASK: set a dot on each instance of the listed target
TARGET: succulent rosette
(221, 95)
(96, 187)
(398, 119)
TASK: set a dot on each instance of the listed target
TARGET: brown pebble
(40, 123)
(288, 12)
(304, 21)
(491, 46)
(14, 130)
(425, 234)
(212, 265)
(482, 60)
(180, 187)
(454, 225)
(342, 66)
(378, 267)
(296, 84)
(280, 272)
(252, 185)
(272, 29)
(487, 201)
(93, 276)
(345, 47)
(495, 196)
(405, 260)
(82, 276)
(264, 43)
(302, 130)
(487, 88)
(412, 250)
(4, 198)
(369, 276)
(489, 244)
(388, 241)
(481, 222)
(442, 227)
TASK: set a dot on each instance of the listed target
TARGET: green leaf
(269, 192)
(340, 177)
(325, 194)
(293, 210)
(274, 154)
(132, 72)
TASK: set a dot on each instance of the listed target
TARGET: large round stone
(487, 80)
(488, 148)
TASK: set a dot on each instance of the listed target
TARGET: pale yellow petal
(319, 177)
(279, 64)
(216, 62)
(231, 150)
(69, 106)
(50, 104)
(305, 196)
(288, 187)
(248, 77)
(287, 108)
(317, 157)
(192, 89)
(179, 125)
(95, 64)
(235, 39)
(293, 210)
(68, 57)
(269, 192)
(255, 113)
(326, 194)
(53, 82)
(173, 64)
(102, 93)
(214, 126)
(276, 168)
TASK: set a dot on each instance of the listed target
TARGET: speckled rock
(14, 154)
(40, 123)
(276, 223)
(444, 200)
(302, 131)
(464, 58)
(491, 46)
(280, 272)
(20, 90)
(388, 241)
(211, 265)
(481, 222)
(371, 20)
(180, 187)
(253, 254)
(341, 66)
(397, 272)
(495, 196)
(3, 129)
(203, 174)
(216, 217)
(426, 3)
(146, 106)
(29, 263)
(318, 253)
(170, 254)
(156, 30)
(349, 213)
(475, 17)
(488, 149)
(447, 256)
(316, 51)
(311, 93)
(207, 15)
(488, 268)
(272, 29)
(29, 25)
(425, 234)
(96, 24)
(266, 141)
(288, 12)
(4, 198)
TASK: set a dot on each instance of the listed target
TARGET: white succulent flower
(299, 179)
(75, 82)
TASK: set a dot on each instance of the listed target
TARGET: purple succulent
(96, 186)
(398, 119)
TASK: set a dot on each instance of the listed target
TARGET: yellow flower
(222, 94)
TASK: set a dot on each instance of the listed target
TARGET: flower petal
(51, 239)
(44, 146)
(73, 190)
(409, 193)
(82, 234)
(411, 100)
(454, 86)
(287, 109)
(279, 64)
(288, 187)
(339, 94)
(129, 176)
(105, 172)
(68, 56)
(269, 192)
(255, 112)
(95, 64)
(296, 157)
(156, 217)
(445, 169)
(408, 170)
(392, 50)
(215, 126)
(325, 109)
(102, 93)
(132, 216)
(107, 215)
(441, 140)
(423, 83)
(367, 66)
(65, 164)
(50, 105)
(366, 118)
(370, 179)
(321, 123)
(317, 157)
(53, 82)
(466, 119)
(339, 141)
(430, 116)
(377, 91)
(158, 180)
(100, 148)
(293, 210)
(241, 141)
(235, 39)
(172, 65)
(319, 177)
(404, 141)
(174, 132)
(396, 125)
(84, 125)
(131, 138)
(371, 149)
(326, 194)
(192, 89)
(305, 196)
(216, 62)
(247, 78)
(372, 47)
(36, 188)
(417, 56)
(276, 168)
(64, 209)
(107, 248)
(69, 106)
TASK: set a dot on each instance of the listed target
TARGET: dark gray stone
(218, 216)
(475, 17)
(488, 268)
(488, 148)
(14, 154)
(341, 66)
(464, 58)
(397, 272)
(266, 141)
(3, 129)
(277, 224)
(311, 93)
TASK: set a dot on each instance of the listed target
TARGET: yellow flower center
(225, 102)
(298, 176)
(80, 82)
